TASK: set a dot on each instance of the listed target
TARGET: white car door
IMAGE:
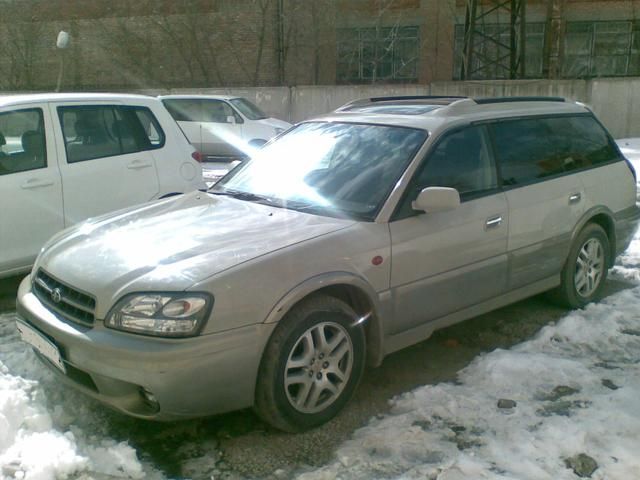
(106, 161)
(211, 126)
(30, 186)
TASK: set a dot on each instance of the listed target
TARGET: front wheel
(311, 366)
(585, 272)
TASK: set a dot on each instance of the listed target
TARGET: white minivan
(224, 128)
(68, 157)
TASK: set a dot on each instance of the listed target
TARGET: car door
(539, 166)
(212, 126)
(30, 186)
(108, 163)
(446, 261)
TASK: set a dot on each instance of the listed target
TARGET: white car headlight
(161, 314)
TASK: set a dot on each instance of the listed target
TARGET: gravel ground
(238, 445)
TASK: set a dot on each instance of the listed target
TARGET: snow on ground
(48, 431)
(524, 413)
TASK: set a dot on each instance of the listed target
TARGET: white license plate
(41, 344)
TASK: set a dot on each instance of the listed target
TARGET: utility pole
(507, 60)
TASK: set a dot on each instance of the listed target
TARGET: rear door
(444, 262)
(107, 158)
(30, 186)
(539, 160)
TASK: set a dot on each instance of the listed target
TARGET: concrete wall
(615, 101)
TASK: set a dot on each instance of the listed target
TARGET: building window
(384, 54)
(491, 60)
(597, 49)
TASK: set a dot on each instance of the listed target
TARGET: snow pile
(42, 424)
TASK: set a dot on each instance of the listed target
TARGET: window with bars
(598, 49)
(491, 59)
(378, 54)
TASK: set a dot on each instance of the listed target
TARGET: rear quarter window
(532, 149)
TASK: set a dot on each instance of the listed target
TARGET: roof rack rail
(414, 97)
(487, 100)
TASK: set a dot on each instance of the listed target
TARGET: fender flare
(588, 216)
(373, 320)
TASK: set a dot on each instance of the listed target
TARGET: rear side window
(535, 148)
(99, 131)
(22, 141)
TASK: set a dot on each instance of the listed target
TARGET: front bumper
(187, 378)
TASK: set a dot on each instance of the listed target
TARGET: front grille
(65, 301)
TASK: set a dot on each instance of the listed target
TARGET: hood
(172, 244)
(275, 123)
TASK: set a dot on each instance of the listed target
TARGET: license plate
(41, 344)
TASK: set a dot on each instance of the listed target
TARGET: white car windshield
(337, 169)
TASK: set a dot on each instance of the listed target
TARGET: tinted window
(199, 110)
(535, 148)
(22, 141)
(98, 131)
(460, 160)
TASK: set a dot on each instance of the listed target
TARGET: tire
(322, 377)
(585, 271)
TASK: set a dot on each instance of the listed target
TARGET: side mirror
(231, 119)
(436, 199)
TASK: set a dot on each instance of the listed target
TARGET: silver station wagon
(349, 237)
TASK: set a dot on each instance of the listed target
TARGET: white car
(225, 129)
(67, 157)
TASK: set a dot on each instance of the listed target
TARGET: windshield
(327, 168)
(248, 109)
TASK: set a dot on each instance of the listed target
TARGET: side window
(460, 160)
(216, 111)
(99, 131)
(535, 148)
(22, 141)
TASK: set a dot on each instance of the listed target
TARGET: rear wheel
(311, 366)
(585, 272)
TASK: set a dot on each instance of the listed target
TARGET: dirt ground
(238, 445)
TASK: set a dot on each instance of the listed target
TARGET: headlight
(161, 314)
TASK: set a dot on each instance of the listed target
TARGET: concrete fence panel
(617, 104)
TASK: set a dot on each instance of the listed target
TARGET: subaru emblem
(56, 295)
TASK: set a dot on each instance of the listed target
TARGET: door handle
(137, 165)
(574, 198)
(493, 222)
(35, 183)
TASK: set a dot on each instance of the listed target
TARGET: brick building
(124, 44)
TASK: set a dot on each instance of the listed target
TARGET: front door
(212, 126)
(30, 186)
(444, 262)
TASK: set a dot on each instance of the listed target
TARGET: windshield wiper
(248, 196)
